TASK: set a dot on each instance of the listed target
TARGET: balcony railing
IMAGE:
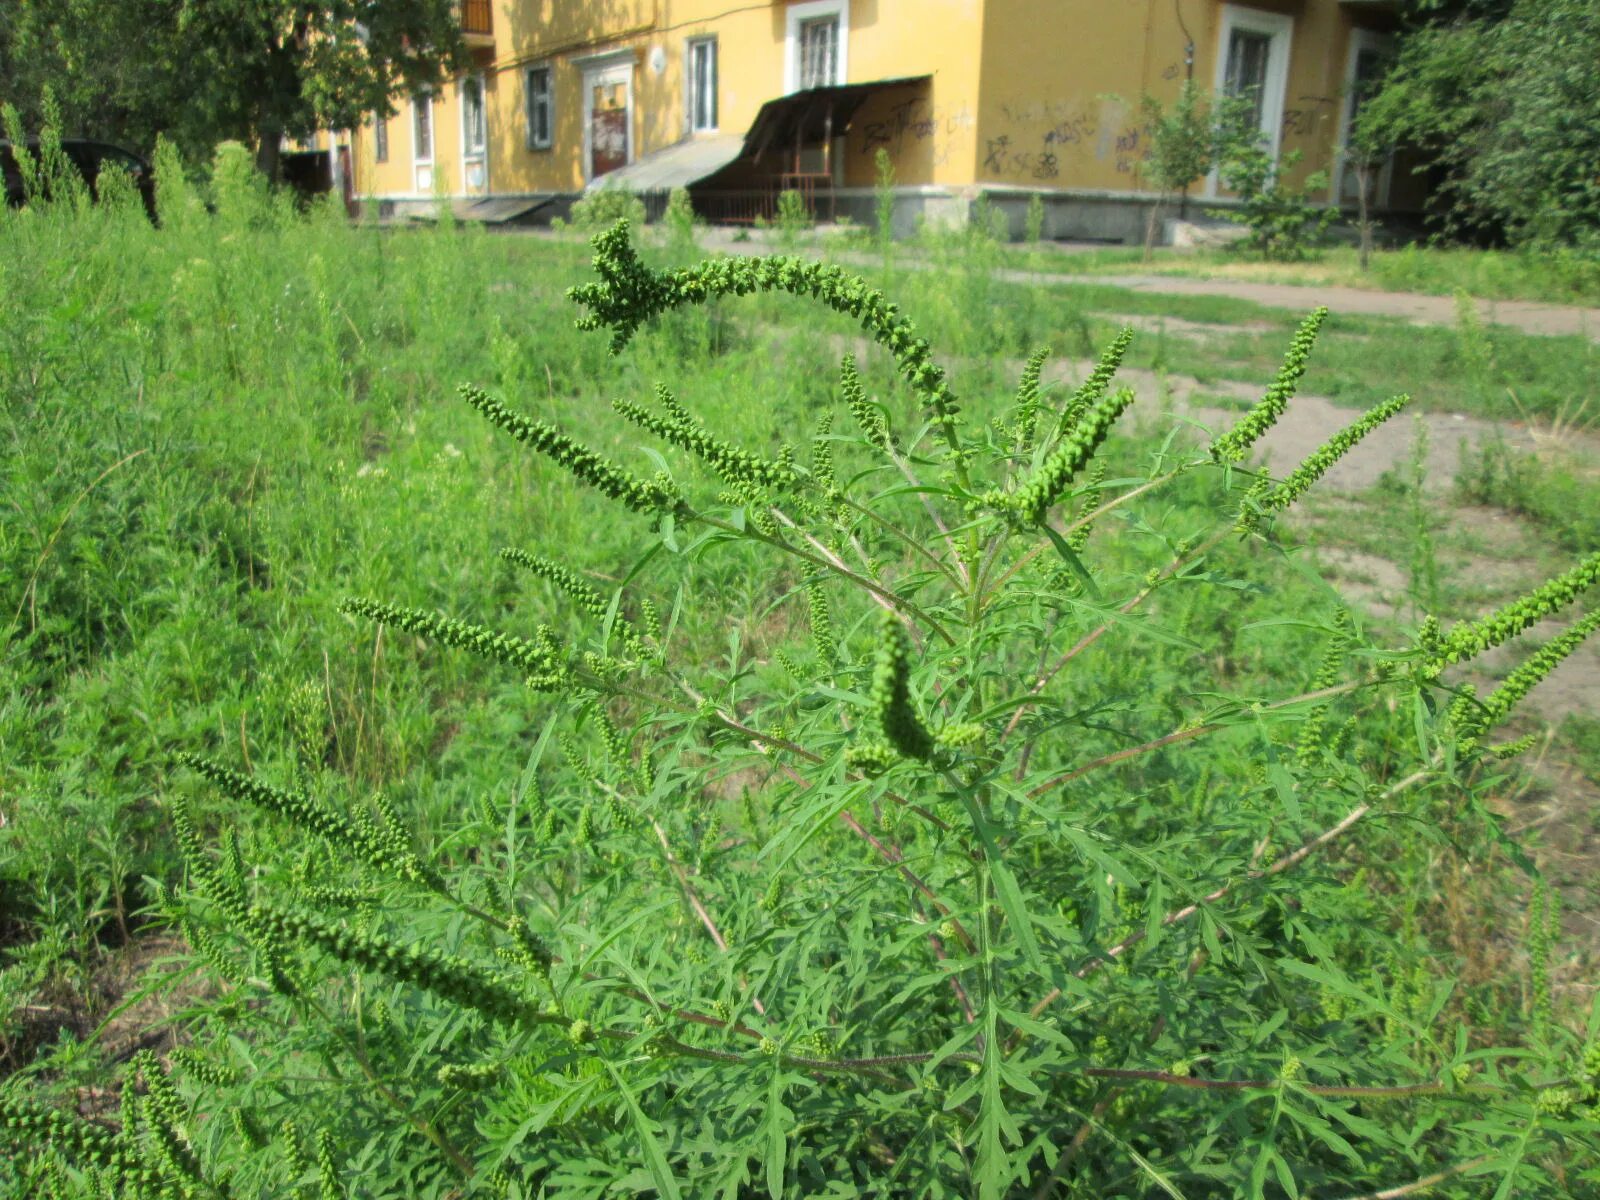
(477, 18)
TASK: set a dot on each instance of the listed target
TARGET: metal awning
(814, 114)
(496, 210)
(674, 166)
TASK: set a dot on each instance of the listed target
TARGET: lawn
(759, 950)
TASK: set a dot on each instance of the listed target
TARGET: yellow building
(1004, 98)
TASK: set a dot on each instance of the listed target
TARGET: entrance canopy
(675, 166)
(812, 116)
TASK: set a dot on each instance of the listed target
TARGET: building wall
(1059, 105)
(1023, 94)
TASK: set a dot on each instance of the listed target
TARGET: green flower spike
(628, 293)
(866, 414)
(328, 1185)
(1045, 486)
(534, 659)
(891, 696)
(1330, 452)
(1232, 446)
(1079, 537)
(380, 850)
(1314, 735)
(25, 1120)
(1025, 407)
(822, 456)
(1497, 705)
(588, 467)
(821, 616)
(588, 599)
(1092, 389)
(1471, 638)
(444, 975)
(728, 462)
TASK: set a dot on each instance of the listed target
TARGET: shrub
(943, 878)
(604, 207)
(1283, 224)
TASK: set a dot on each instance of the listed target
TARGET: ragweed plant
(967, 867)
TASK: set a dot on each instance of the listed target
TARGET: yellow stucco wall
(1062, 80)
(1025, 93)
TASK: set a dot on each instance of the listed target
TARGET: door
(608, 118)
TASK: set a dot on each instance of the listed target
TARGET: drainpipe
(1188, 76)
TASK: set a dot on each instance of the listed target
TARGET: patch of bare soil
(127, 1007)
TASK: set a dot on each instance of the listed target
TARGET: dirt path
(1548, 320)
(1413, 307)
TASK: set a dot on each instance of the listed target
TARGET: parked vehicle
(89, 157)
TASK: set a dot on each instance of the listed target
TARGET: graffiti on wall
(913, 121)
(1304, 120)
(1036, 135)
(1035, 140)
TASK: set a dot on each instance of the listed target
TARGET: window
(703, 84)
(817, 44)
(422, 128)
(1253, 62)
(540, 96)
(819, 52)
(1248, 53)
(474, 127)
(380, 138)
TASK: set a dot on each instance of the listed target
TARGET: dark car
(88, 157)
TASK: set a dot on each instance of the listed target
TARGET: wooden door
(609, 115)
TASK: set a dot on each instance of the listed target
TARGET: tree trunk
(1150, 227)
(269, 153)
(1363, 169)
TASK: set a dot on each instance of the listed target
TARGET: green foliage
(1282, 222)
(680, 221)
(1183, 147)
(793, 218)
(604, 207)
(688, 916)
(1502, 96)
(1033, 226)
(252, 71)
(883, 197)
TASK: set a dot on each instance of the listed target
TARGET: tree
(1378, 118)
(252, 70)
(1183, 147)
(1502, 96)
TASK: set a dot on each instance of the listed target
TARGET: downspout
(1188, 78)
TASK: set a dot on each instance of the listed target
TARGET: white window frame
(422, 168)
(474, 155)
(811, 10)
(1280, 28)
(380, 138)
(1360, 39)
(690, 97)
(549, 70)
(613, 67)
